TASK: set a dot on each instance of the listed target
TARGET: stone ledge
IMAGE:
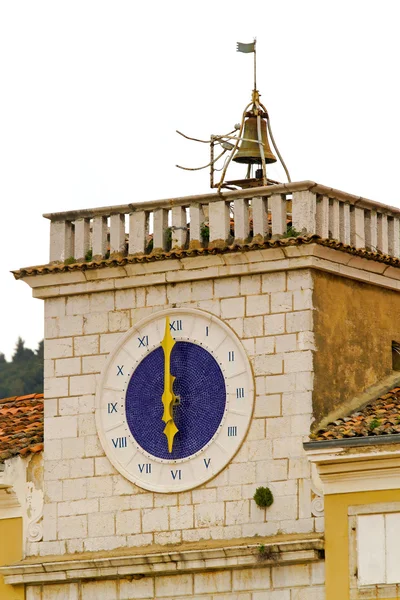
(267, 551)
(249, 262)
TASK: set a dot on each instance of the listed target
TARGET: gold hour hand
(168, 397)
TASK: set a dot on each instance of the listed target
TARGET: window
(378, 550)
(374, 550)
(395, 356)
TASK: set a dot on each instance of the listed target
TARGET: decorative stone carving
(317, 503)
(34, 509)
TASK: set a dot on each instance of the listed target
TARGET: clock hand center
(168, 397)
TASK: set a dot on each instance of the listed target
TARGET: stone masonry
(295, 582)
(104, 537)
(90, 507)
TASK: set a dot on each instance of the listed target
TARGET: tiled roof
(379, 417)
(21, 425)
(144, 258)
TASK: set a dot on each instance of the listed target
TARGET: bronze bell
(249, 152)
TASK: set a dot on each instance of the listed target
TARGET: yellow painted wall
(10, 552)
(337, 539)
(353, 339)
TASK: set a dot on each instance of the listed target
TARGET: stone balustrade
(235, 216)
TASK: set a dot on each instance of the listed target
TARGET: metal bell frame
(259, 111)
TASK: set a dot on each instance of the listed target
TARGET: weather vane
(251, 134)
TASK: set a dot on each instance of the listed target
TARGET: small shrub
(374, 424)
(69, 261)
(291, 232)
(168, 238)
(149, 246)
(89, 255)
(263, 497)
(205, 232)
(266, 553)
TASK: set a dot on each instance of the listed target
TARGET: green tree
(24, 373)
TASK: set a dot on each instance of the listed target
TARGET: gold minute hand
(168, 397)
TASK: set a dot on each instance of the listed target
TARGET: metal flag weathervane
(247, 49)
(251, 133)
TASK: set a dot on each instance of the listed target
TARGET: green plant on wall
(168, 238)
(267, 553)
(291, 232)
(205, 232)
(374, 424)
(263, 497)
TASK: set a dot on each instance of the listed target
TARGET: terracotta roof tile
(21, 425)
(379, 417)
(144, 258)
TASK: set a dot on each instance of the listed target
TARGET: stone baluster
(82, 238)
(160, 225)
(179, 227)
(357, 227)
(393, 236)
(323, 216)
(61, 241)
(259, 209)
(334, 219)
(219, 223)
(138, 232)
(344, 222)
(196, 223)
(304, 212)
(117, 234)
(371, 230)
(277, 205)
(242, 220)
(99, 237)
(383, 241)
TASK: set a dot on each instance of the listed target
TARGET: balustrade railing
(218, 219)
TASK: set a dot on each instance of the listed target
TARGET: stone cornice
(345, 470)
(198, 268)
(298, 549)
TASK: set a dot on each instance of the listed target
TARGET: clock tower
(191, 347)
(185, 374)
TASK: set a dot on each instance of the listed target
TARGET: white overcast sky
(91, 93)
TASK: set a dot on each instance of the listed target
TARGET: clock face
(175, 400)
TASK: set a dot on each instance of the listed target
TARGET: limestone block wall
(89, 506)
(292, 582)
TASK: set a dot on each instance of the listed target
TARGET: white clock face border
(128, 457)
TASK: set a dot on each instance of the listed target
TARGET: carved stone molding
(317, 503)
(34, 506)
(298, 549)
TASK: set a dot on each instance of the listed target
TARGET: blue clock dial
(200, 387)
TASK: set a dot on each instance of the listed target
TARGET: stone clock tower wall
(297, 306)
(89, 506)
